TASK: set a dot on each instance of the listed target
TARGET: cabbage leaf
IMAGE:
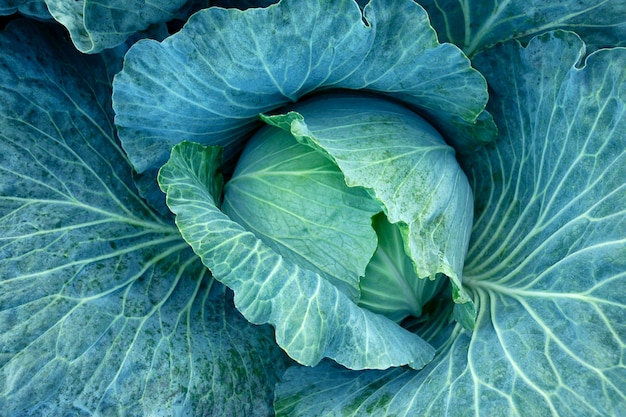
(104, 309)
(297, 201)
(407, 166)
(238, 64)
(32, 8)
(312, 318)
(546, 261)
(474, 25)
(98, 25)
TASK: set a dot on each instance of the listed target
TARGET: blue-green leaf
(98, 25)
(546, 262)
(313, 319)
(104, 309)
(208, 82)
(476, 24)
(31, 8)
(390, 285)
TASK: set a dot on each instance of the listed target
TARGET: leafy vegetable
(390, 285)
(350, 239)
(296, 200)
(97, 25)
(313, 319)
(546, 262)
(242, 63)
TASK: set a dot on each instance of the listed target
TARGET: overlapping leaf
(298, 203)
(313, 319)
(103, 307)
(98, 25)
(31, 8)
(546, 262)
(407, 166)
(208, 82)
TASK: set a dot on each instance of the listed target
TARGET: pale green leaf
(312, 318)
(390, 285)
(298, 203)
(405, 164)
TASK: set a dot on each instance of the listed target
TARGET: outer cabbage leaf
(31, 8)
(208, 82)
(390, 285)
(104, 309)
(546, 261)
(241, 4)
(95, 25)
(313, 319)
(407, 166)
(476, 24)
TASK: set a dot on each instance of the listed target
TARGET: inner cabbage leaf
(296, 201)
(390, 285)
(312, 318)
(299, 202)
(407, 166)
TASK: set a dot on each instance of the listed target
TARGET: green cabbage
(294, 196)
(313, 208)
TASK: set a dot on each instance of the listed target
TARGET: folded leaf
(298, 203)
(208, 82)
(405, 165)
(313, 319)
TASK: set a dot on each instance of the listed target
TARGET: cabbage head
(312, 208)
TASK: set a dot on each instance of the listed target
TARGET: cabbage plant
(313, 208)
